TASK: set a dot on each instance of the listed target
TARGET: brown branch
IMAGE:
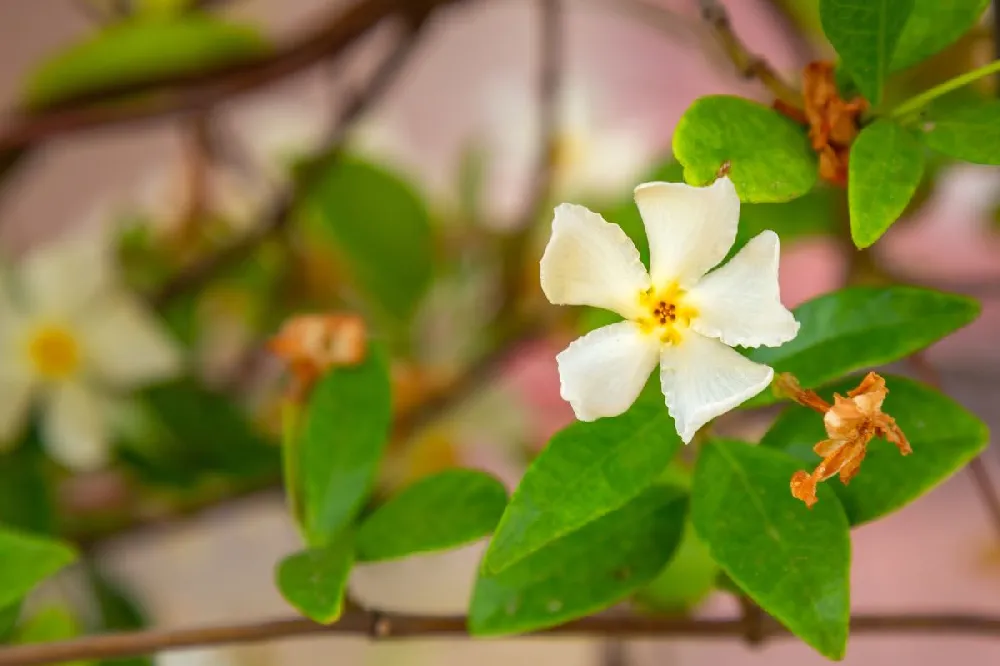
(199, 91)
(381, 626)
(749, 66)
(517, 245)
(281, 212)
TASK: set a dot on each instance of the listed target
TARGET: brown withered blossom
(312, 344)
(833, 121)
(851, 423)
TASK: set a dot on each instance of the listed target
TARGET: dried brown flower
(312, 344)
(833, 121)
(851, 423)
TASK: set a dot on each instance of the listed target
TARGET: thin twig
(199, 91)
(988, 494)
(281, 212)
(749, 66)
(381, 626)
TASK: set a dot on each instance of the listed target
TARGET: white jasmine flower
(675, 314)
(70, 337)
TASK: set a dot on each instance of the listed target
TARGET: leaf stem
(917, 102)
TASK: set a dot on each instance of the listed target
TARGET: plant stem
(917, 102)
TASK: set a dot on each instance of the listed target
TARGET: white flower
(675, 314)
(70, 337)
(591, 158)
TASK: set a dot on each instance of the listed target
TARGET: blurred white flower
(165, 199)
(592, 159)
(279, 133)
(70, 337)
(675, 315)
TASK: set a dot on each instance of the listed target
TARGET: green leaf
(382, 229)
(934, 25)
(314, 581)
(8, 619)
(769, 155)
(944, 437)
(865, 34)
(884, 171)
(584, 571)
(49, 624)
(25, 496)
(586, 471)
(118, 612)
(687, 579)
(793, 561)
(135, 51)
(342, 437)
(201, 430)
(447, 509)
(25, 561)
(859, 327)
(967, 131)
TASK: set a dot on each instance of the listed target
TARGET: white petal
(125, 345)
(740, 303)
(75, 427)
(63, 277)
(602, 373)
(16, 390)
(690, 229)
(591, 262)
(702, 378)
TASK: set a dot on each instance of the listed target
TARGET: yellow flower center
(54, 351)
(669, 314)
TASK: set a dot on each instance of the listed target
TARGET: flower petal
(75, 427)
(65, 276)
(592, 262)
(739, 303)
(125, 345)
(602, 373)
(702, 378)
(690, 229)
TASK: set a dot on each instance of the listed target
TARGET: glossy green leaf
(447, 509)
(685, 582)
(342, 437)
(314, 581)
(25, 561)
(135, 51)
(586, 471)
(769, 155)
(859, 327)
(885, 168)
(200, 430)
(793, 561)
(584, 571)
(49, 624)
(944, 437)
(934, 25)
(382, 229)
(865, 34)
(968, 131)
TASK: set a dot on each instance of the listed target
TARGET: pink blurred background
(939, 554)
